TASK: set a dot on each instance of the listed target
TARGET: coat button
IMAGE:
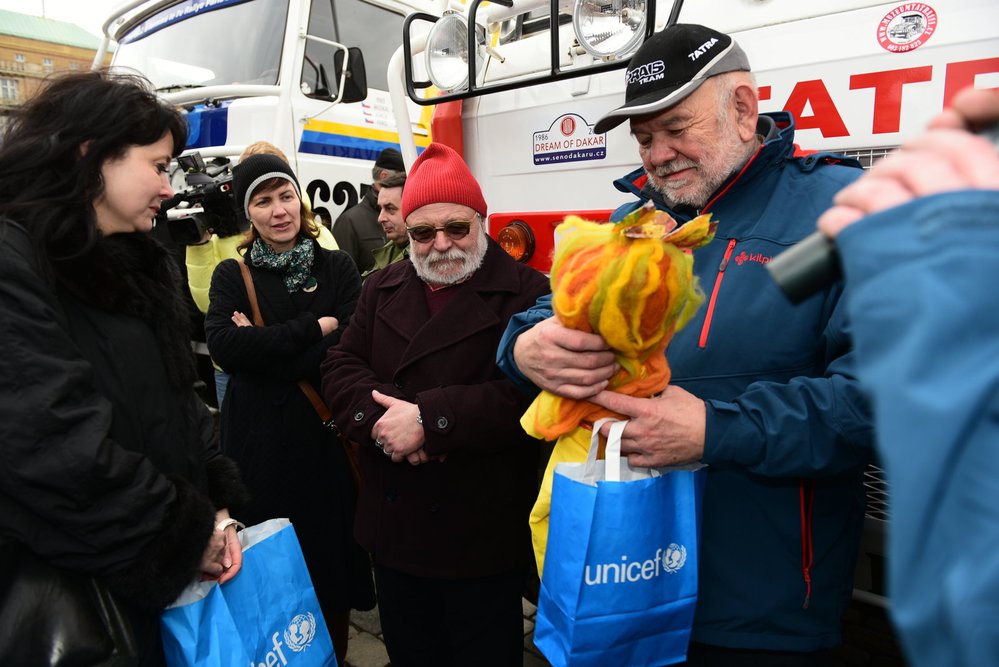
(399, 382)
(434, 507)
(442, 422)
(391, 496)
(358, 416)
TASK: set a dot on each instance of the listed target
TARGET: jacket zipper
(806, 499)
(706, 327)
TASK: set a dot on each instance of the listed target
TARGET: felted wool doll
(632, 283)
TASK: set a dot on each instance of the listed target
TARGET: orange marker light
(517, 240)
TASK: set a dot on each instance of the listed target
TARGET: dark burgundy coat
(466, 516)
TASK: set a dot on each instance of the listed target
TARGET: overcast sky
(88, 14)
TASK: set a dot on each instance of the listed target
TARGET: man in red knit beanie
(449, 475)
(440, 187)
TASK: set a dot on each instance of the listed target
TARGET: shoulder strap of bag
(251, 292)
(310, 392)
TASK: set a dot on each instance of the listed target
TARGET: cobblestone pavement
(366, 648)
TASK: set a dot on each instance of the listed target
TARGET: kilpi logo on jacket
(669, 560)
(744, 257)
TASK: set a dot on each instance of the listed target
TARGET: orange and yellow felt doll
(632, 283)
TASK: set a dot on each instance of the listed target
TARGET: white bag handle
(612, 453)
(614, 468)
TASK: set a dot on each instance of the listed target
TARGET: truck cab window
(377, 31)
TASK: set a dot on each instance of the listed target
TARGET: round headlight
(447, 53)
(613, 29)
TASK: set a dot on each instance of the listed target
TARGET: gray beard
(471, 261)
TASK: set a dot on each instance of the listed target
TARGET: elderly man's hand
(398, 430)
(945, 158)
(662, 431)
(566, 362)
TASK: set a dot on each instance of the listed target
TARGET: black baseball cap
(671, 65)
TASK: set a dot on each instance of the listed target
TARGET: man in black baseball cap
(694, 84)
(762, 391)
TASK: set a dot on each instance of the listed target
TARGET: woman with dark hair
(292, 462)
(108, 461)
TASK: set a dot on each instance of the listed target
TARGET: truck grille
(876, 489)
(868, 156)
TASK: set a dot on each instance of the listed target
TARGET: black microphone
(807, 268)
(813, 264)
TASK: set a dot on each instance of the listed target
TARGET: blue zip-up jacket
(922, 292)
(788, 432)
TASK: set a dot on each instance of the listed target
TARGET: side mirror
(355, 87)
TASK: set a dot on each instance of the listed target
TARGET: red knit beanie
(440, 176)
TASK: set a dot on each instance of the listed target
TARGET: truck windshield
(186, 45)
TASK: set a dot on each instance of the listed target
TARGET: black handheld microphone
(813, 264)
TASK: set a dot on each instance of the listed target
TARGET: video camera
(207, 205)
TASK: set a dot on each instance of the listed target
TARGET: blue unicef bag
(198, 630)
(268, 614)
(620, 574)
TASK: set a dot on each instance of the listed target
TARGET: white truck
(858, 75)
(305, 75)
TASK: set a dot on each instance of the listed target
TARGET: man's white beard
(452, 266)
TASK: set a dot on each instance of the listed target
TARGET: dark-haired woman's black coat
(109, 463)
(295, 467)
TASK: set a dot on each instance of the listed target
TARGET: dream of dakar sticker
(569, 139)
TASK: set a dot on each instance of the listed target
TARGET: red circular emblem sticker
(907, 27)
(568, 126)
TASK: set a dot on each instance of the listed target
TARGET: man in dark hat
(762, 391)
(357, 230)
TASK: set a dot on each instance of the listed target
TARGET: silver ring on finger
(379, 444)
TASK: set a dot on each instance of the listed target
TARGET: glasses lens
(457, 230)
(422, 233)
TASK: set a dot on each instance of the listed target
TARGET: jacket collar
(404, 309)
(495, 274)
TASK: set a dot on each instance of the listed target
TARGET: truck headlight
(447, 52)
(609, 30)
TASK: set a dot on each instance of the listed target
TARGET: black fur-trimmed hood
(133, 274)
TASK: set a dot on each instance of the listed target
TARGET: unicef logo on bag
(300, 632)
(674, 557)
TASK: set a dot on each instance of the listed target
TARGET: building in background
(32, 47)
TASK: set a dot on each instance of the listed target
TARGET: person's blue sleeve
(518, 324)
(923, 297)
